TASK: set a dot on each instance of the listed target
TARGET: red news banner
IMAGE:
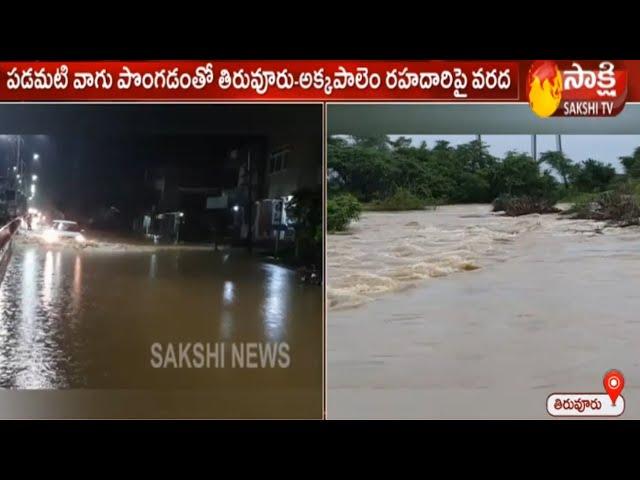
(260, 80)
(552, 88)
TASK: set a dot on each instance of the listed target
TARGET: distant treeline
(376, 168)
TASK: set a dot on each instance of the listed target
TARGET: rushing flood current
(87, 320)
(387, 252)
(551, 306)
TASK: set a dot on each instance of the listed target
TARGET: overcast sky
(606, 148)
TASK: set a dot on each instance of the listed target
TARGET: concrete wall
(304, 165)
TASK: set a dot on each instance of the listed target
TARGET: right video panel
(480, 262)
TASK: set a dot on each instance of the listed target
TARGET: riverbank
(551, 307)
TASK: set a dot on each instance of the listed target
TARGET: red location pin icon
(613, 384)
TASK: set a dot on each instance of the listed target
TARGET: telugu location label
(610, 404)
(584, 405)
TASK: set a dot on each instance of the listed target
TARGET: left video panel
(161, 261)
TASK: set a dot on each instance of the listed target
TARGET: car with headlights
(64, 231)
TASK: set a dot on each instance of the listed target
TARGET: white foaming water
(388, 252)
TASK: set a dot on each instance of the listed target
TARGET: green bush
(402, 199)
(620, 206)
(341, 210)
(593, 176)
(632, 164)
(305, 210)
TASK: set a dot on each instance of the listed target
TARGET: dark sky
(102, 170)
(80, 173)
(133, 119)
(93, 155)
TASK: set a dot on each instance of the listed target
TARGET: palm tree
(561, 164)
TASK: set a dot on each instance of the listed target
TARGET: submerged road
(82, 319)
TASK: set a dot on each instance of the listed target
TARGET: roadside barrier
(6, 234)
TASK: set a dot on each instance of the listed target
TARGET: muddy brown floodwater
(460, 313)
(77, 327)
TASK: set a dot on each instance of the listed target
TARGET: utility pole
(559, 143)
(19, 163)
(20, 190)
(534, 148)
(250, 209)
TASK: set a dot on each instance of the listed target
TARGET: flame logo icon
(544, 84)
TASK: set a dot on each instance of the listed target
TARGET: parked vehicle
(63, 231)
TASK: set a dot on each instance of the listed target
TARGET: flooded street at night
(161, 261)
(80, 319)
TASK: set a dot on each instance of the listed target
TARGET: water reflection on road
(81, 319)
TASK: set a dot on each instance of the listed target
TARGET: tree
(560, 163)
(305, 209)
(341, 210)
(442, 145)
(593, 175)
(378, 142)
(366, 172)
(519, 174)
(632, 163)
(374, 169)
(474, 156)
(337, 141)
(400, 143)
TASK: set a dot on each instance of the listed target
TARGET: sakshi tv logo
(569, 89)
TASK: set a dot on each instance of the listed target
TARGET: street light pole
(250, 209)
(21, 177)
(534, 147)
(19, 158)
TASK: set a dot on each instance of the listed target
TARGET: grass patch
(578, 197)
